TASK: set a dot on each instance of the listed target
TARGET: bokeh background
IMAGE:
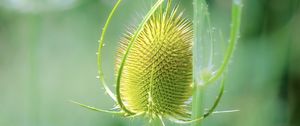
(47, 57)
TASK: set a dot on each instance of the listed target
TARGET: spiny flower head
(154, 66)
(157, 75)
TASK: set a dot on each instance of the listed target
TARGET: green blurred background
(47, 57)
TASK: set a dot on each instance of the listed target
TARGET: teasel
(157, 75)
(154, 68)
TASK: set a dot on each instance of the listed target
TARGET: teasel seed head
(157, 75)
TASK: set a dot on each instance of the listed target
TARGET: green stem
(199, 15)
(197, 105)
(198, 96)
(234, 35)
(211, 110)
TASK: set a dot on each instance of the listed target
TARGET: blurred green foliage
(47, 57)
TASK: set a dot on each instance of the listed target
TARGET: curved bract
(126, 52)
(157, 75)
(99, 52)
(154, 67)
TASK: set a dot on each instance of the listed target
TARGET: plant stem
(198, 104)
(198, 96)
(200, 9)
(234, 35)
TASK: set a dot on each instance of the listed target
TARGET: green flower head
(155, 66)
(157, 75)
